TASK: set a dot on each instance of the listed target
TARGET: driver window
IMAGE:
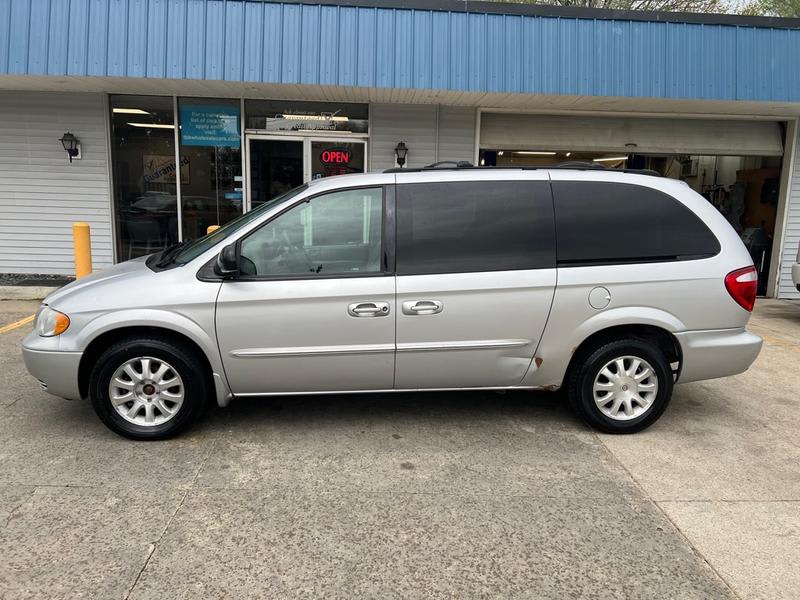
(335, 233)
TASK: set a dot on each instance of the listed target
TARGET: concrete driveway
(468, 495)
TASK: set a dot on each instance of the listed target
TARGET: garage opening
(735, 165)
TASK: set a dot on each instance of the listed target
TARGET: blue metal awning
(374, 47)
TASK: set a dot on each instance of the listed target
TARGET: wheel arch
(109, 337)
(660, 337)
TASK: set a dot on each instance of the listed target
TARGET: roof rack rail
(590, 166)
(442, 164)
(574, 165)
(458, 164)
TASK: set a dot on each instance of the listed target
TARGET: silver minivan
(613, 285)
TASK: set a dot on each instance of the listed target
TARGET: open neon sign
(335, 156)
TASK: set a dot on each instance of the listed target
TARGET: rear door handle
(368, 309)
(422, 307)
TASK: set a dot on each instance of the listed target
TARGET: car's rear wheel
(621, 386)
(148, 388)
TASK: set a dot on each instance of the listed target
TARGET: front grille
(42, 385)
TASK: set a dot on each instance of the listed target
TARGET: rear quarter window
(474, 226)
(612, 223)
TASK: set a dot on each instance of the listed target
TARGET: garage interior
(735, 165)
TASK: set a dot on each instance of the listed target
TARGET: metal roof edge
(573, 12)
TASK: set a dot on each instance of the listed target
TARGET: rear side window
(602, 223)
(472, 226)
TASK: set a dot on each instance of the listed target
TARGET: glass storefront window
(211, 189)
(145, 174)
(310, 140)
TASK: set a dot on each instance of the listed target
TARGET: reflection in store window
(145, 174)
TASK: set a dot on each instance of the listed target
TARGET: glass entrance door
(276, 166)
(278, 163)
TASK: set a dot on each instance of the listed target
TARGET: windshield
(195, 248)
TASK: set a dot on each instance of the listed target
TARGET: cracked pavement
(453, 495)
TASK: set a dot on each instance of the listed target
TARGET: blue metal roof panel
(440, 49)
(290, 42)
(384, 48)
(233, 68)
(37, 53)
(58, 37)
(97, 42)
(422, 50)
(78, 44)
(136, 63)
(157, 38)
(309, 50)
(403, 43)
(291, 38)
(18, 42)
(253, 43)
(328, 46)
(215, 39)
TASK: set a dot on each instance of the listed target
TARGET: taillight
(741, 285)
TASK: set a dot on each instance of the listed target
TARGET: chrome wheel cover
(146, 391)
(625, 388)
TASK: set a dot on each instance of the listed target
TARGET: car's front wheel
(148, 388)
(621, 386)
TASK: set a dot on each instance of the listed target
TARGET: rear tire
(148, 387)
(621, 386)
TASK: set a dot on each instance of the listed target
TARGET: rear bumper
(716, 353)
(56, 371)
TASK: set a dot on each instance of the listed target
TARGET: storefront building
(189, 112)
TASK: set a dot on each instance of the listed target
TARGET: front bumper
(56, 371)
(716, 353)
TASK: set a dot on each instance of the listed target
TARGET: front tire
(148, 388)
(621, 386)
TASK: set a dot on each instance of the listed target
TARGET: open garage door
(631, 134)
(735, 164)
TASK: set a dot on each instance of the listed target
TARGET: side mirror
(227, 264)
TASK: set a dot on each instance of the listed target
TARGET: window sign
(161, 169)
(312, 122)
(336, 158)
(210, 125)
(278, 115)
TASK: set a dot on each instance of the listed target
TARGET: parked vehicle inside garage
(613, 285)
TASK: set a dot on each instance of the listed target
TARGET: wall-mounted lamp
(400, 152)
(72, 145)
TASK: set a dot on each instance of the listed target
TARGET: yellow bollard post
(83, 249)
(212, 229)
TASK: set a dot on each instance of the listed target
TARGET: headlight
(50, 322)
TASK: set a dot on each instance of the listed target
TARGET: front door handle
(368, 309)
(422, 307)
